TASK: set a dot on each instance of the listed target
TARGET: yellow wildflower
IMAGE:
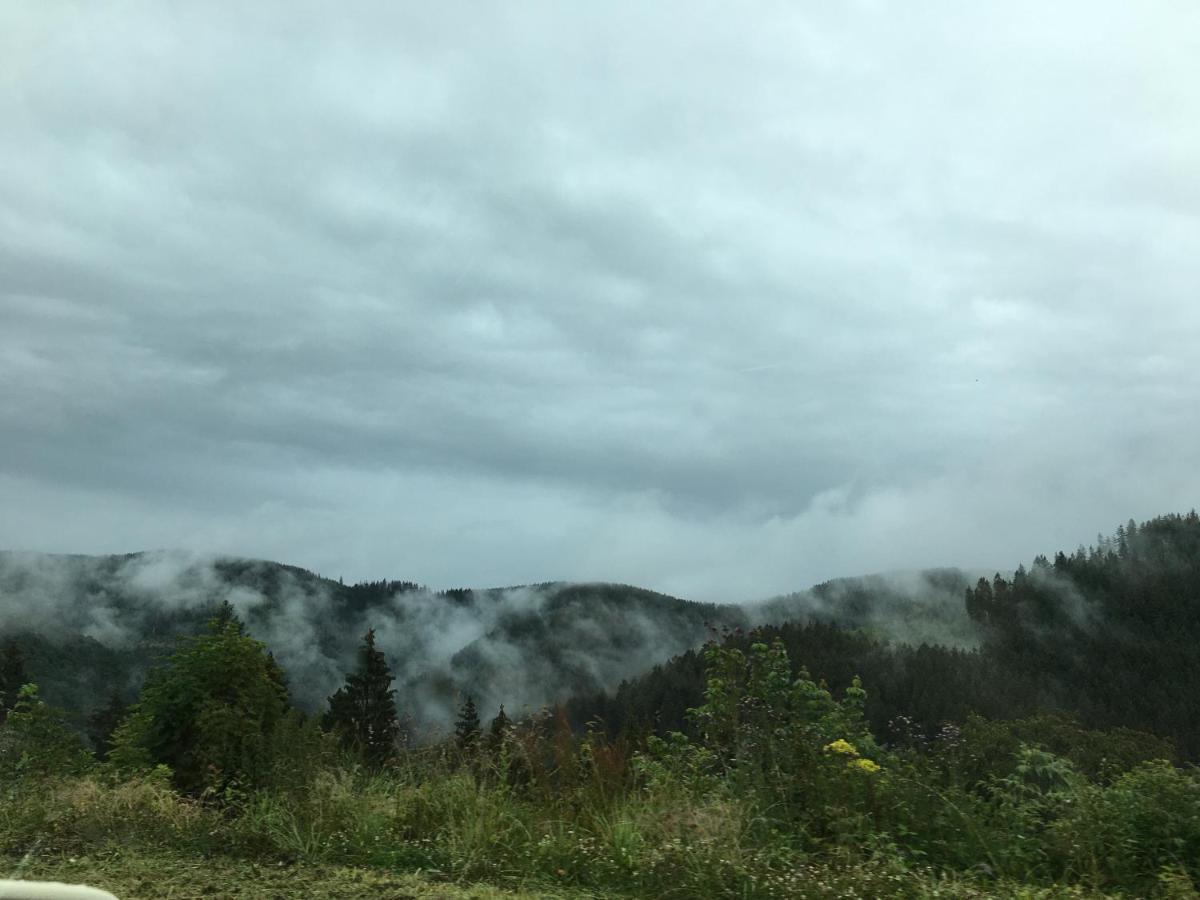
(864, 765)
(843, 746)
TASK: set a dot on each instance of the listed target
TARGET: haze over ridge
(96, 624)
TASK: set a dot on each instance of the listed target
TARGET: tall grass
(658, 836)
(785, 795)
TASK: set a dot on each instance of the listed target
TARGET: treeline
(1110, 631)
(89, 625)
(1107, 635)
(925, 686)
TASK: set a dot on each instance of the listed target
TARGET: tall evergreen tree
(363, 711)
(227, 616)
(467, 729)
(12, 676)
(499, 731)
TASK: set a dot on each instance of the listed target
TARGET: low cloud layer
(720, 305)
(525, 647)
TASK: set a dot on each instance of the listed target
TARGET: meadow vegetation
(779, 790)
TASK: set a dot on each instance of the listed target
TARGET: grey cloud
(494, 295)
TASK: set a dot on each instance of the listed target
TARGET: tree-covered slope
(1111, 631)
(1108, 634)
(89, 626)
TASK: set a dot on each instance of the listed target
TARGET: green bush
(209, 714)
(983, 749)
(1127, 833)
(36, 744)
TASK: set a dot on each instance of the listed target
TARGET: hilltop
(91, 625)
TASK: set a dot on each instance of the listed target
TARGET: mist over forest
(1076, 633)
(95, 624)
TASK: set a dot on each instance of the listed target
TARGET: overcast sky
(718, 299)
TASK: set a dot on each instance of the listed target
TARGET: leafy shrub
(208, 714)
(983, 748)
(35, 742)
(1144, 823)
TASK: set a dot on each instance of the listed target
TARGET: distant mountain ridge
(94, 624)
(91, 625)
(1105, 636)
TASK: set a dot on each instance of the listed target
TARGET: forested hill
(1111, 631)
(917, 607)
(90, 625)
(1108, 635)
(93, 625)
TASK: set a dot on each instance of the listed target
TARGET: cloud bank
(718, 305)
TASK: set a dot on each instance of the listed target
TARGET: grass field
(162, 875)
(166, 876)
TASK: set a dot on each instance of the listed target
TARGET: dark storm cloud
(720, 305)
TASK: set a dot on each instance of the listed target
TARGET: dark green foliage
(363, 711)
(1107, 635)
(209, 713)
(226, 618)
(103, 723)
(927, 685)
(298, 751)
(467, 729)
(984, 748)
(924, 607)
(785, 739)
(499, 732)
(584, 636)
(36, 743)
(357, 600)
(77, 674)
(12, 675)
(983, 795)
(1108, 632)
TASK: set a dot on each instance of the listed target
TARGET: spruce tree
(363, 711)
(467, 729)
(226, 616)
(499, 731)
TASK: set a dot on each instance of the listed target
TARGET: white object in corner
(49, 890)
